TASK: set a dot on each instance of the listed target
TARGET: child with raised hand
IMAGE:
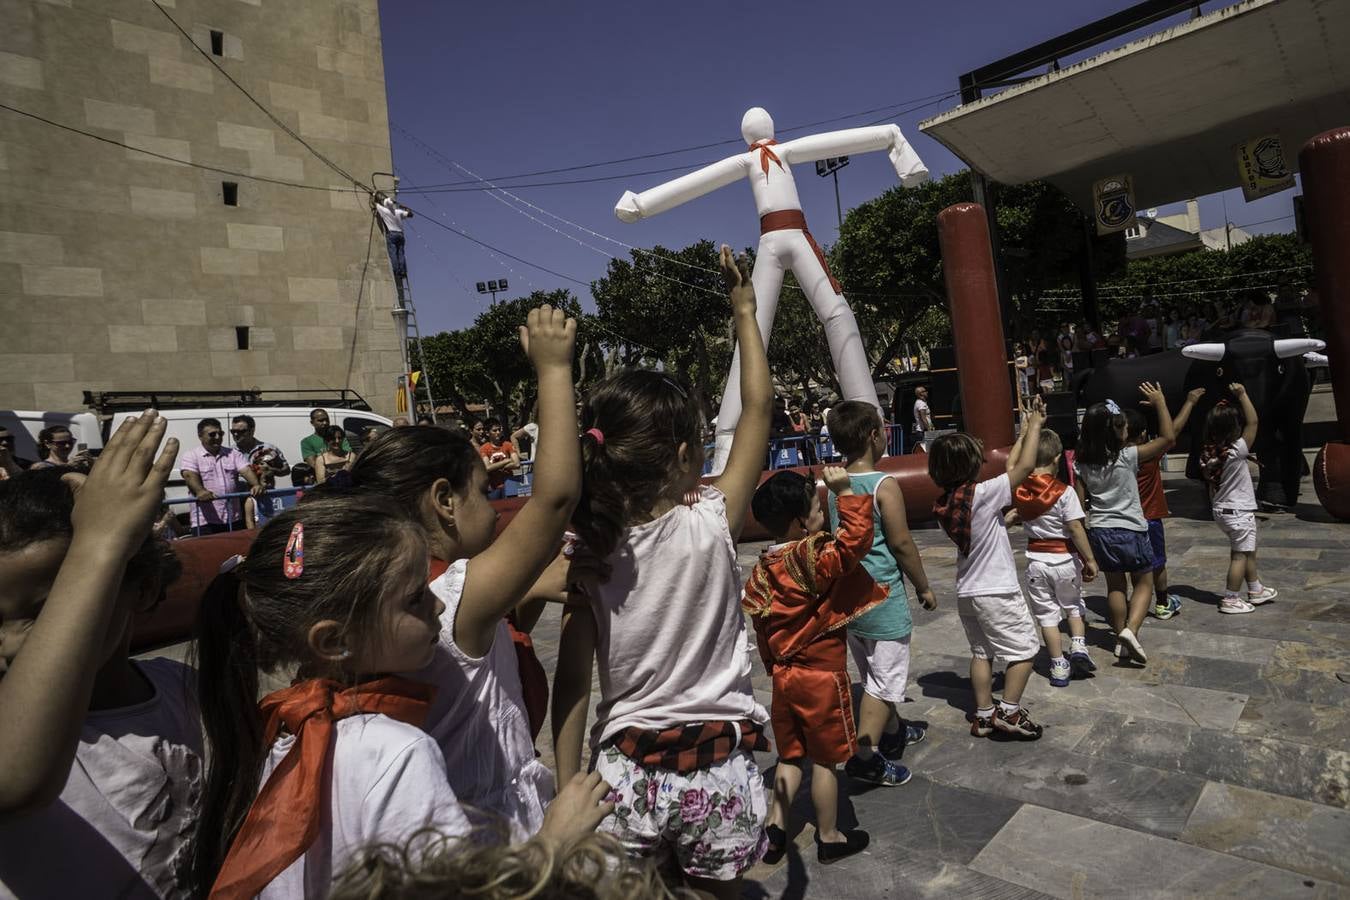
(101, 771)
(989, 597)
(1106, 466)
(677, 719)
(335, 592)
(479, 716)
(879, 640)
(805, 588)
(1228, 442)
(1154, 502)
(1059, 559)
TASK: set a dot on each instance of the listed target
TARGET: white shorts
(883, 666)
(1240, 528)
(999, 626)
(1055, 590)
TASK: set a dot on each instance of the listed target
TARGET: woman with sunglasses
(55, 443)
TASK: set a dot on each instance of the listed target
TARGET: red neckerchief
(765, 154)
(952, 510)
(1212, 458)
(283, 822)
(1034, 497)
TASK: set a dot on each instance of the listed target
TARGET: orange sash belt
(1049, 545)
(789, 219)
(283, 821)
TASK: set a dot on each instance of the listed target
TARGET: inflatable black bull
(1274, 372)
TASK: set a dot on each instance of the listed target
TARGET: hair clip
(1223, 401)
(1112, 407)
(231, 564)
(676, 385)
(293, 562)
(597, 434)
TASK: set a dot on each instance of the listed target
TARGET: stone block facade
(123, 271)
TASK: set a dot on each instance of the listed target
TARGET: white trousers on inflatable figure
(789, 250)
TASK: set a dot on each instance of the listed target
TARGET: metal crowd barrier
(284, 498)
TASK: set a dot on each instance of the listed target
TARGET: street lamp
(831, 166)
(492, 287)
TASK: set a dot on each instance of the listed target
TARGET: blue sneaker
(1081, 662)
(1167, 608)
(892, 746)
(1059, 673)
(877, 770)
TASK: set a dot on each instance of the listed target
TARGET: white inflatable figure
(785, 243)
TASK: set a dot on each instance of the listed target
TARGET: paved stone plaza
(1220, 769)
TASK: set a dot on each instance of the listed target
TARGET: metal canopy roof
(1167, 109)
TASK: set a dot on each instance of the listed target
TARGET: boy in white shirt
(989, 597)
(1059, 559)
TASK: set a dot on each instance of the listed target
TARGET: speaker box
(941, 358)
(1060, 403)
(1066, 426)
(943, 390)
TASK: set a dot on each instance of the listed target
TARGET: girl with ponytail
(677, 717)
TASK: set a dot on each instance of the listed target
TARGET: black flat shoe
(854, 842)
(777, 844)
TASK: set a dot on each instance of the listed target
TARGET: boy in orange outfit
(805, 588)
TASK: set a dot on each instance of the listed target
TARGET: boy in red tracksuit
(802, 592)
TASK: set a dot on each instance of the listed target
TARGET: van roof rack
(105, 402)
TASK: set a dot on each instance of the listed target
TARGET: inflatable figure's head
(756, 125)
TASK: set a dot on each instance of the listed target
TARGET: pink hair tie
(597, 434)
(293, 562)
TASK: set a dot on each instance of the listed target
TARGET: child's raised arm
(1031, 443)
(745, 462)
(44, 695)
(1167, 432)
(1238, 390)
(499, 577)
(1184, 414)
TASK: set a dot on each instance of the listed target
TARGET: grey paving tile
(1302, 723)
(1074, 857)
(1183, 640)
(1281, 767)
(1278, 831)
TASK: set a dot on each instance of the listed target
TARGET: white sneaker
(1131, 645)
(1236, 605)
(1267, 594)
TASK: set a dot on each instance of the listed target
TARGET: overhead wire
(360, 292)
(256, 102)
(1146, 286)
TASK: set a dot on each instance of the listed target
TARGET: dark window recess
(217, 43)
(241, 336)
(230, 192)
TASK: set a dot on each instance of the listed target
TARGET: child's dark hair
(255, 619)
(35, 506)
(1099, 441)
(403, 462)
(302, 474)
(1049, 448)
(954, 460)
(644, 416)
(1223, 425)
(1136, 426)
(851, 422)
(783, 499)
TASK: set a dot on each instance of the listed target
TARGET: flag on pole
(401, 398)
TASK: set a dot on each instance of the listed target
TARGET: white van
(284, 426)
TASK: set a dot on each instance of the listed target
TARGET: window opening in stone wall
(217, 43)
(241, 336)
(230, 191)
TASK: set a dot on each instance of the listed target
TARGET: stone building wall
(120, 271)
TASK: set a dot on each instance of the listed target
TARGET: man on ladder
(391, 223)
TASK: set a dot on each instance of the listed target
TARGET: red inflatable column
(1325, 166)
(977, 326)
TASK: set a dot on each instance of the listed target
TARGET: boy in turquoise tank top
(879, 639)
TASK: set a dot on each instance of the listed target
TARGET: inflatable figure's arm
(632, 207)
(859, 140)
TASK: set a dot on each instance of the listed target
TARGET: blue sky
(504, 89)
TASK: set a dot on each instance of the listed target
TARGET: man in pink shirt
(211, 470)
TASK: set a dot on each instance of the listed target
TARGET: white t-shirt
(124, 819)
(989, 568)
(1054, 525)
(478, 718)
(1235, 485)
(1113, 492)
(671, 640)
(392, 216)
(532, 429)
(921, 414)
(388, 781)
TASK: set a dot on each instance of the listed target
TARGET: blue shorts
(1120, 549)
(1158, 540)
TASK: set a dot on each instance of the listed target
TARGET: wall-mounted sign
(1113, 204)
(1262, 168)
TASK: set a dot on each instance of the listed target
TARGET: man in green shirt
(314, 444)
